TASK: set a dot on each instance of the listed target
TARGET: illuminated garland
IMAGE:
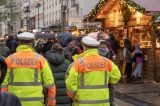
(101, 3)
(135, 6)
(95, 10)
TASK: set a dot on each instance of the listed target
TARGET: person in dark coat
(12, 44)
(48, 45)
(4, 50)
(115, 44)
(127, 53)
(79, 43)
(6, 99)
(71, 49)
(59, 66)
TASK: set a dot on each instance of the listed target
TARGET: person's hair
(57, 47)
(2, 41)
(26, 41)
(102, 42)
(51, 39)
(79, 40)
(99, 35)
(128, 44)
(19, 32)
(111, 35)
(91, 47)
(10, 37)
(81, 36)
(69, 40)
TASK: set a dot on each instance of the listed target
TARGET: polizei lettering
(24, 61)
(94, 65)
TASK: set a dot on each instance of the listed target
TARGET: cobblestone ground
(119, 102)
(137, 94)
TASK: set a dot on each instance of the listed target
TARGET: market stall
(132, 18)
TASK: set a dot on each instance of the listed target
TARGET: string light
(130, 3)
(95, 10)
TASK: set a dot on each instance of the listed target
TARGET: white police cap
(26, 36)
(90, 41)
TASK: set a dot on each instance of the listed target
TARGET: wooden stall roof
(144, 6)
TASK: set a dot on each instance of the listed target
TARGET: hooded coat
(59, 66)
(4, 50)
(12, 45)
(6, 99)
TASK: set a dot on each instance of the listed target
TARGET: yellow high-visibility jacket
(27, 74)
(88, 77)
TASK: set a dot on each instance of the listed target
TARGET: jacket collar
(86, 53)
(25, 48)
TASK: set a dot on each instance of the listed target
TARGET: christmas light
(130, 3)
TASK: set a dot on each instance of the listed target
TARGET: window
(56, 16)
(70, 14)
(56, 2)
(74, 14)
(72, 2)
(59, 13)
(53, 15)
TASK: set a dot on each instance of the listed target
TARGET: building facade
(10, 16)
(43, 14)
(49, 12)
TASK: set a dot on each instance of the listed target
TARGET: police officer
(6, 99)
(27, 74)
(88, 76)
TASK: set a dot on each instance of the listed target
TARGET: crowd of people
(81, 71)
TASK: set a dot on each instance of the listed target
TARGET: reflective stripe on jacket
(88, 77)
(27, 74)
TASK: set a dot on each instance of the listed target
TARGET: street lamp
(63, 12)
(27, 17)
(38, 6)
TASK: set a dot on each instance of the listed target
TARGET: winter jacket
(28, 85)
(127, 55)
(4, 50)
(39, 47)
(103, 52)
(69, 52)
(138, 54)
(115, 44)
(47, 46)
(8, 99)
(59, 67)
(12, 45)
